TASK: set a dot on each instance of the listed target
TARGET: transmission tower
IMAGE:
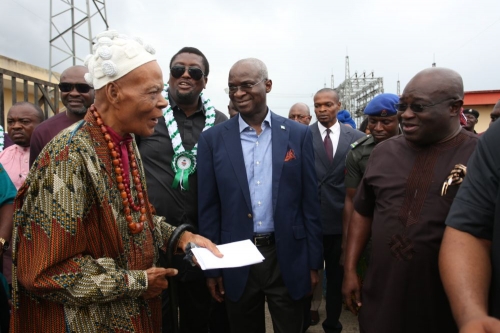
(71, 29)
(347, 91)
(397, 88)
(356, 91)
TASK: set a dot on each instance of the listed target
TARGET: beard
(186, 99)
(78, 111)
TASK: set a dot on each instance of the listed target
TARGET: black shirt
(178, 206)
(476, 208)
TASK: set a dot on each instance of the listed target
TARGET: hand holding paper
(237, 254)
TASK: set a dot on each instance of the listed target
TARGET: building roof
(481, 97)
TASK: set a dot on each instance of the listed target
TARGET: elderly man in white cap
(85, 239)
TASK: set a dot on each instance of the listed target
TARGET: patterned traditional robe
(77, 268)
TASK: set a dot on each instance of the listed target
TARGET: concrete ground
(348, 320)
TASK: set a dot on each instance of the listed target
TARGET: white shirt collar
(334, 128)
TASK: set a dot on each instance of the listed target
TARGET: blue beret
(345, 118)
(382, 106)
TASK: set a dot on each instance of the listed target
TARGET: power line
(454, 51)
(17, 3)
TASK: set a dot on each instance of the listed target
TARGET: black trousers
(247, 315)
(332, 246)
(4, 310)
(194, 307)
(198, 312)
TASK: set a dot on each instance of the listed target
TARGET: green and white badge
(183, 164)
(183, 161)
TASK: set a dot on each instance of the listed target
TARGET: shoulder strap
(360, 141)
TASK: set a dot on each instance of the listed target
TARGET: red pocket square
(290, 155)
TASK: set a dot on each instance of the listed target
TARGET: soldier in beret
(472, 117)
(382, 124)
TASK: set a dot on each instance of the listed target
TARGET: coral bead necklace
(123, 181)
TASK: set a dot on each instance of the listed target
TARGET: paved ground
(348, 320)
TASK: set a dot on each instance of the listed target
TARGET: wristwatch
(4, 244)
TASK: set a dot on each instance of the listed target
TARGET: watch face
(6, 245)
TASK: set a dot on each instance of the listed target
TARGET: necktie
(328, 145)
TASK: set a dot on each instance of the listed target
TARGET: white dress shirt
(334, 134)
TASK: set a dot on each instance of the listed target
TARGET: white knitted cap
(114, 56)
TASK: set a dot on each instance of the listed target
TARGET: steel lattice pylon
(71, 30)
(356, 91)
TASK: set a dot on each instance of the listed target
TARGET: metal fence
(46, 94)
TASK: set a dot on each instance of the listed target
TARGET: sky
(302, 42)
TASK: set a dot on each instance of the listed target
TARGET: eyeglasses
(244, 87)
(82, 88)
(194, 72)
(417, 107)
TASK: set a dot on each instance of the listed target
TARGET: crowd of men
(402, 220)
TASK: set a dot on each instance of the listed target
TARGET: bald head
(302, 107)
(437, 82)
(431, 102)
(76, 94)
(300, 112)
(248, 86)
(78, 70)
(256, 65)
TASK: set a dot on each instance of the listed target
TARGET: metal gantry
(358, 90)
(71, 30)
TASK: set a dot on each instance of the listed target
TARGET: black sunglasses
(194, 72)
(82, 88)
(417, 107)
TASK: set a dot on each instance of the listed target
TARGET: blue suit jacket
(225, 209)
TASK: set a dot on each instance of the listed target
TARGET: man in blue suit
(257, 182)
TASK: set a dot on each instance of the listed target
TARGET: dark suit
(332, 196)
(225, 209)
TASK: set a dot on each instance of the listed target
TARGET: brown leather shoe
(314, 317)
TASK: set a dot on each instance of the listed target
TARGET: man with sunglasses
(76, 96)
(189, 113)
(402, 203)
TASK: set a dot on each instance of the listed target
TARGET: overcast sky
(302, 42)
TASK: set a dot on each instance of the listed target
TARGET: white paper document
(237, 254)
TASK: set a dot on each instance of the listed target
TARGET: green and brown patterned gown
(77, 268)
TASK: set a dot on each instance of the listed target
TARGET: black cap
(473, 112)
